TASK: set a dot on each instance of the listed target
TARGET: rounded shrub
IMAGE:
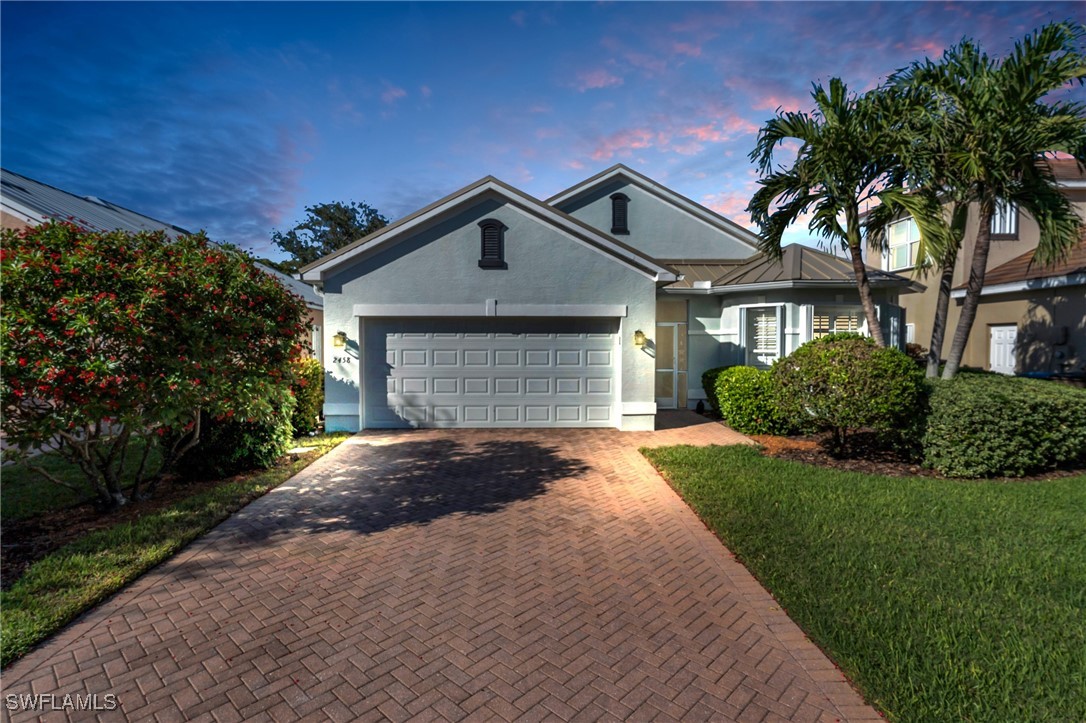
(228, 446)
(844, 383)
(984, 425)
(744, 396)
(708, 383)
(308, 391)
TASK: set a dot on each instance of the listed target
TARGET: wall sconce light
(639, 339)
(340, 339)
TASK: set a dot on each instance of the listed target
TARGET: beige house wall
(9, 221)
(920, 307)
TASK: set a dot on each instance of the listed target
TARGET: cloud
(392, 94)
(622, 142)
(687, 49)
(425, 92)
(519, 18)
(595, 79)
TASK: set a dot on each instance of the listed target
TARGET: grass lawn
(26, 493)
(66, 582)
(941, 600)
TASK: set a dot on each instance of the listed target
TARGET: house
(25, 202)
(1031, 318)
(595, 308)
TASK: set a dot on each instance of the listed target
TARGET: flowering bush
(110, 336)
(308, 391)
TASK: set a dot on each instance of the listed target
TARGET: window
(1005, 220)
(904, 240)
(620, 213)
(826, 320)
(492, 243)
(762, 336)
(910, 333)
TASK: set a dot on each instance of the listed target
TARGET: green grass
(25, 493)
(941, 600)
(68, 581)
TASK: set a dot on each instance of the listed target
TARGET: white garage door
(490, 372)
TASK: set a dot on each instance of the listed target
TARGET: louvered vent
(620, 213)
(492, 242)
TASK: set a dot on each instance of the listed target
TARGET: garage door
(490, 373)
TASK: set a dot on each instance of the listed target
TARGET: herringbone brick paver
(453, 575)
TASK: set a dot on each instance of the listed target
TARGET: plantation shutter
(765, 332)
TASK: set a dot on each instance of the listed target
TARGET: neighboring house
(596, 308)
(25, 202)
(1031, 318)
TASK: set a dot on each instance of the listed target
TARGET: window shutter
(765, 332)
(491, 242)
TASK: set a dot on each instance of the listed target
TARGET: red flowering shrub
(110, 337)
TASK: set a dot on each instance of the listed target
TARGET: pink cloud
(623, 142)
(425, 91)
(391, 94)
(729, 205)
(773, 102)
(519, 18)
(574, 164)
(595, 79)
(688, 49)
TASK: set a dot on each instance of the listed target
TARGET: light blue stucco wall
(439, 265)
(657, 227)
(715, 332)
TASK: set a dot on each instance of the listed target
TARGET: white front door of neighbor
(490, 372)
(1001, 356)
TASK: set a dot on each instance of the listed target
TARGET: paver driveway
(450, 575)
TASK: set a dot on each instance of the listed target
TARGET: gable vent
(492, 243)
(620, 213)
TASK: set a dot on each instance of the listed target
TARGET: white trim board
(492, 308)
(1050, 282)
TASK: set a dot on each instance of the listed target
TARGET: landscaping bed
(58, 563)
(940, 599)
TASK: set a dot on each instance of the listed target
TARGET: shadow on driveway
(400, 480)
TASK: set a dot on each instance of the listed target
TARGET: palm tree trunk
(855, 247)
(972, 292)
(938, 326)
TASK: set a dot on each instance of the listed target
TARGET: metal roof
(803, 265)
(38, 202)
(698, 273)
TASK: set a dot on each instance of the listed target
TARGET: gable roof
(36, 202)
(802, 266)
(1022, 274)
(662, 192)
(488, 186)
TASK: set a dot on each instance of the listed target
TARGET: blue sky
(233, 117)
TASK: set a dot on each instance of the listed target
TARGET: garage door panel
(488, 372)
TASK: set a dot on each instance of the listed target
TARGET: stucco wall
(11, 221)
(439, 265)
(657, 228)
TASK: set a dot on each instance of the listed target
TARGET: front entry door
(671, 365)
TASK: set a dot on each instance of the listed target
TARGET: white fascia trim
(690, 292)
(1051, 282)
(492, 308)
(563, 310)
(1071, 184)
(25, 213)
(693, 209)
(638, 408)
(658, 272)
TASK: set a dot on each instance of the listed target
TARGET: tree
(845, 158)
(327, 228)
(1003, 121)
(113, 338)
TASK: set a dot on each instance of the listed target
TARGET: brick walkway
(498, 575)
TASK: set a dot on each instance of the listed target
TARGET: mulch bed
(29, 540)
(869, 458)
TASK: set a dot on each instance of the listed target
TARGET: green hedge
(992, 425)
(745, 398)
(708, 383)
(308, 391)
(844, 383)
(229, 446)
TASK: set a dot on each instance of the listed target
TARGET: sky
(233, 117)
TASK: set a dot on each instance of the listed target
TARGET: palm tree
(845, 159)
(1003, 123)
